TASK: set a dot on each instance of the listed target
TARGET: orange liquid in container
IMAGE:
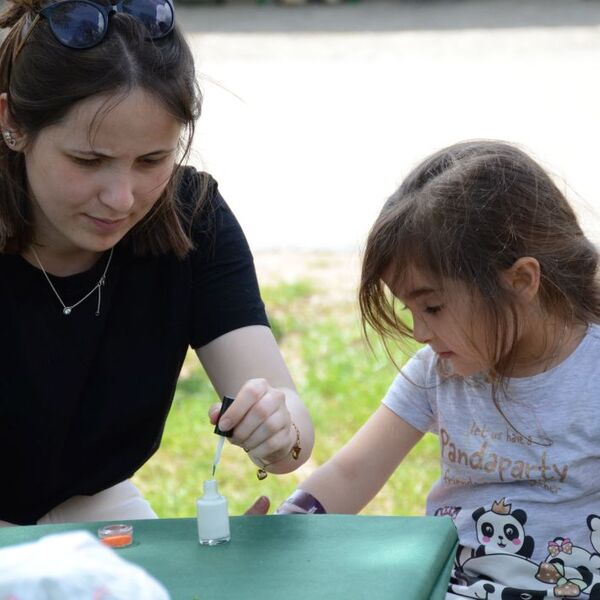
(118, 535)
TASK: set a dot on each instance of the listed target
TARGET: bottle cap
(227, 402)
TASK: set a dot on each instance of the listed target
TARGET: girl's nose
(421, 331)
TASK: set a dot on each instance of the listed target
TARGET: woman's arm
(246, 364)
(352, 477)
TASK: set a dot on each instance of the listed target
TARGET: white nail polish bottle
(213, 518)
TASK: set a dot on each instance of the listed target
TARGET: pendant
(67, 310)
(261, 474)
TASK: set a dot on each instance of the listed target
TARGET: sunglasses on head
(83, 24)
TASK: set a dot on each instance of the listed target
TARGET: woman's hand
(261, 422)
(268, 418)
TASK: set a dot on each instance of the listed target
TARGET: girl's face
(447, 319)
(87, 194)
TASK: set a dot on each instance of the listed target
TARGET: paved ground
(314, 114)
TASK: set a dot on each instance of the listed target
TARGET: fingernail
(224, 424)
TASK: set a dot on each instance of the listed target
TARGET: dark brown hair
(46, 80)
(466, 214)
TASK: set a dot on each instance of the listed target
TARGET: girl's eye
(433, 310)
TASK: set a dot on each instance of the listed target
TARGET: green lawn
(340, 380)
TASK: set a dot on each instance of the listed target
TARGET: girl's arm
(352, 478)
(246, 364)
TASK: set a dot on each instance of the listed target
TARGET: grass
(339, 379)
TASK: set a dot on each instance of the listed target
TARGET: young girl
(114, 260)
(482, 251)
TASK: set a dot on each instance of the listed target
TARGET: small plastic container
(118, 535)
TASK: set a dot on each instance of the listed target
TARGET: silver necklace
(67, 309)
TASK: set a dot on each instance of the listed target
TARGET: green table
(289, 557)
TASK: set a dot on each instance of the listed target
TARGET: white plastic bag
(73, 566)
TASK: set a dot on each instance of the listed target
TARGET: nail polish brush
(227, 402)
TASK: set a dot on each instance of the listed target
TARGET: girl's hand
(261, 422)
(260, 507)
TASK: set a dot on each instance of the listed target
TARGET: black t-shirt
(84, 398)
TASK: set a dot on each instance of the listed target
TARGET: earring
(9, 138)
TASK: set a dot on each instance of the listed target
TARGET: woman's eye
(85, 162)
(153, 162)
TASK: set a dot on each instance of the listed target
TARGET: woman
(114, 259)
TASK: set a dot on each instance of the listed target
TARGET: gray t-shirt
(523, 488)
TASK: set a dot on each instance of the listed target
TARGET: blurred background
(313, 114)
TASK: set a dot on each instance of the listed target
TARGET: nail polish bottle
(212, 516)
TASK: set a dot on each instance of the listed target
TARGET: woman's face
(97, 173)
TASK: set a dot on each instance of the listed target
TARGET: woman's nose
(117, 193)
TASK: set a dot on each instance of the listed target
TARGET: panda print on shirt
(504, 555)
(500, 530)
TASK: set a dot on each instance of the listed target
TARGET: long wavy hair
(45, 80)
